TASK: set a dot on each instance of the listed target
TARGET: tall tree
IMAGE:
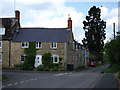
(94, 32)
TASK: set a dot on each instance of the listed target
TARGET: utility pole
(114, 30)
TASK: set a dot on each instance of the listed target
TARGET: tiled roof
(42, 35)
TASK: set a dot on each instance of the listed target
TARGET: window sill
(53, 48)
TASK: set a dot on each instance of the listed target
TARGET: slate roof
(42, 35)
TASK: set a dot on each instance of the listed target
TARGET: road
(91, 78)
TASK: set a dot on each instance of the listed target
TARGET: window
(0, 56)
(55, 58)
(38, 45)
(25, 45)
(23, 58)
(2, 30)
(53, 45)
(0, 44)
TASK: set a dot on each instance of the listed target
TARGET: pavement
(107, 81)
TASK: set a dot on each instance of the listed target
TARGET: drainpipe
(9, 52)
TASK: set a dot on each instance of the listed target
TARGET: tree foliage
(94, 31)
(112, 49)
(30, 56)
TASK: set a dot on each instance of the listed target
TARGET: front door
(38, 60)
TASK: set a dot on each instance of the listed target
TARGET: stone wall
(1, 57)
(16, 52)
(66, 52)
(5, 55)
(58, 51)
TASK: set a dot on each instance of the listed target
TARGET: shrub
(81, 67)
(27, 67)
(40, 68)
(54, 66)
(18, 66)
(112, 69)
(46, 59)
(119, 74)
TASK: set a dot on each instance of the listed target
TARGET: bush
(43, 68)
(54, 66)
(40, 68)
(111, 69)
(81, 67)
(46, 59)
(18, 66)
(27, 67)
(51, 66)
(119, 74)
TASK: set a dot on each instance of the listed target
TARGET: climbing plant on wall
(30, 56)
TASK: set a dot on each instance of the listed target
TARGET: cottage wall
(17, 51)
(1, 57)
(5, 53)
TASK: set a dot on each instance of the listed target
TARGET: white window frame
(2, 31)
(1, 44)
(23, 57)
(53, 58)
(0, 56)
(26, 44)
(38, 45)
(53, 45)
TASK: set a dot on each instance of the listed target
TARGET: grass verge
(111, 69)
(3, 77)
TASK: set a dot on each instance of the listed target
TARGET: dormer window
(25, 44)
(53, 45)
(38, 45)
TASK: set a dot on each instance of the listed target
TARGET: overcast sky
(54, 13)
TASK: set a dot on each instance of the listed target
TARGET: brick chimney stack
(69, 23)
(17, 16)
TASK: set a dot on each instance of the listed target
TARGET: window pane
(39, 44)
(0, 57)
(56, 59)
(26, 44)
(23, 57)
(52, 45)
(22, 44)
(0, 43)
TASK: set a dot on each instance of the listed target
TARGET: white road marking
(31, 79)
(16, 83)
(97, 81)
(37, 79)
(21, 81)
(9, 84)
(27, 80)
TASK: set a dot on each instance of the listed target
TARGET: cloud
(113, 12)
(110, 16)
(104, 12)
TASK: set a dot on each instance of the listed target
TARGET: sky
(54, 13)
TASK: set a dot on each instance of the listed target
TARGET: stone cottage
(57, 41)
(9, 26)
